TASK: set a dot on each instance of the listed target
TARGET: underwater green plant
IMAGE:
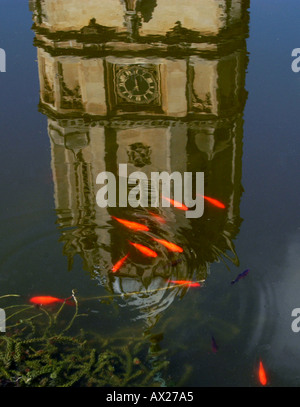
(38, 351)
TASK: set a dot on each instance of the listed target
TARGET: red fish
(185, 282)
(176, 204)
(262, 374)
(132, 225)
(157, 217)
(119, 264)
(145, 250)
(213, 201)
(48, 300)
(170, 246)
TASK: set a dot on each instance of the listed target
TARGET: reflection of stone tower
(153, 85)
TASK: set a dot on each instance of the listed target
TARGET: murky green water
(204, 88)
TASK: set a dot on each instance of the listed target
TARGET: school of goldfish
(139, 227)
(148, 252)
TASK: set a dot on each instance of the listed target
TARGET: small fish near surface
(176, 204)
(262, 376)
(169, 245)
(143, 249)
(49, 300)
(132, 225)
(213, 201)
(157, 217)
(119, 264)
(240, 276)
(185, 282)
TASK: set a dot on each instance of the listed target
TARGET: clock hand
(136, 84)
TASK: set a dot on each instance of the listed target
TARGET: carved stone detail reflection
(139, 155)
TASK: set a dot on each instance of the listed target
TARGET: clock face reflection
(136, 84)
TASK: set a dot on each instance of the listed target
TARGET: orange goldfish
(170, 246)
(48, 300)
(145, 250)
(176, 204)
(185, 282)
(119, 264)
(213, 201)
(262, 374)
(157, 217)
(132, 225)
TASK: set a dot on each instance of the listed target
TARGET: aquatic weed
(37, 352)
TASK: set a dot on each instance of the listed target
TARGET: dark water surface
(224, 101)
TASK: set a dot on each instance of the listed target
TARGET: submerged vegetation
(39, 351)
